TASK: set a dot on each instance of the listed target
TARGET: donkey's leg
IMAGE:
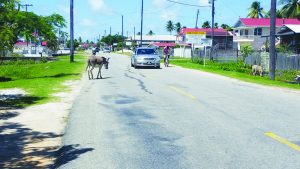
(91, 70)
(99, 72)
(100, 67)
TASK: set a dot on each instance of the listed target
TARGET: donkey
(94, 61)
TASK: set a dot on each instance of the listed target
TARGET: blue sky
(93, 17)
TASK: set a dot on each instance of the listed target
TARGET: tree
(256, 11)
(150, 33)
(216, 25)
(227, 27)
(15, 23)
(206, 24)
(170, 26)
(80, 39)
(178, 27)
(279, 14)
(110, 40)
(291, 8)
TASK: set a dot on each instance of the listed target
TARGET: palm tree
(216, 25)
(256, 11)
(206, 24)
(170, 26)
(178, 27)
(291, 8)
(150, 33)
(278, 14)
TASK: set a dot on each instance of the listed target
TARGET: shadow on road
(69, 153)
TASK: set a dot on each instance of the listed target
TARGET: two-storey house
(255, 31)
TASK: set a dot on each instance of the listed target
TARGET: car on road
(145, 57)
(106, 50)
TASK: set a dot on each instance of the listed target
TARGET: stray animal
(257, 70)
(96, 61)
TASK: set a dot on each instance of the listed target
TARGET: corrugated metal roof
(294, 28)
(265, 22)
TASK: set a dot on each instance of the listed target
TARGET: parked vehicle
(106, 50)
(145, 57)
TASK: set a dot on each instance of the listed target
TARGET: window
(246, 32)
(241, 32)
(258, 31)
(146, 51)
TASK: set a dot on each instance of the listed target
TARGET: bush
(287, 75)
(246, 50)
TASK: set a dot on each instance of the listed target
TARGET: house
(290, 36)
(255, 31)
(222, 37)
(149, 39)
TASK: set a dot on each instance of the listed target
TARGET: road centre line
(183, 92)
(283, 141)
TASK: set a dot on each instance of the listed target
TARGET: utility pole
(105, 32)
(72, 30)
(26, 5)
(197, 18)
(134, 33)
(213, 29)
(110, 30)
(272, 40)
(122, 33)
(142, 12)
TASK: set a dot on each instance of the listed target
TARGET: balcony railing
(245, 38)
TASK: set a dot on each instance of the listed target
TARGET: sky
(92, 18)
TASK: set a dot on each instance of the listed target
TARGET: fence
(284, 61)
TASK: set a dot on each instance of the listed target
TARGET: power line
(181, 3)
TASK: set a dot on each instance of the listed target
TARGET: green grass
(41, 80)
(244, 76)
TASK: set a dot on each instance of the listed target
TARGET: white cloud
(204, 2)
(169, 15)
(87, 22)
(100, 5)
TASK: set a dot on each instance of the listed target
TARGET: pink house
(255, 30)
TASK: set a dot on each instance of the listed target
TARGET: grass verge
(40, 80)
(244, 76)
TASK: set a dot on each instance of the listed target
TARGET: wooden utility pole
(142, 13)
(197, 19)
(122, 33)
(272, 62)
(72, 30)
(213, 29)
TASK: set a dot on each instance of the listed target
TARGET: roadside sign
(195, 37)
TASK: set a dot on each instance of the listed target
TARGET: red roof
(44, 43)
(252, 22)
(158, 44)
(218, 31)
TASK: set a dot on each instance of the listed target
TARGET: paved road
(174, 118)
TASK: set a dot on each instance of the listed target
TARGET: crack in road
(141, 83)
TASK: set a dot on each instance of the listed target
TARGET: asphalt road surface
(175, 118)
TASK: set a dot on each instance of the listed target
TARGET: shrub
(246, 50)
